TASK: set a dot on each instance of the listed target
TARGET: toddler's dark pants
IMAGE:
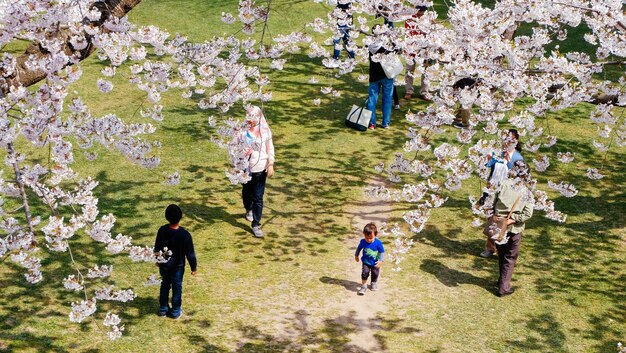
(365, 272)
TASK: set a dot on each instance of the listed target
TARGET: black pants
(396, 100)
(365, 272)
(252, 196)
(507, 257)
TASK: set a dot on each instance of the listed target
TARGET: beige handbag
(496, 227)
(359, 117)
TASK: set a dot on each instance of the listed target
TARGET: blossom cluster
(474, 62)
(400, 246)
(113, 321)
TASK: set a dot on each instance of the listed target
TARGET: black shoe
(162, 313)
(509, 292)
(175, 317)
(458, 125)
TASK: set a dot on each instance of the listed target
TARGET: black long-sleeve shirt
(180, 243)
(376, 69)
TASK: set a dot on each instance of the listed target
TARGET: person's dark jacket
(376, 69)
(180, 243)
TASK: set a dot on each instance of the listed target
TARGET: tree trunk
(25, 76)
(20, 185)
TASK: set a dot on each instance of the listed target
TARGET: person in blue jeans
(344, 29)
(372, 259)
(379, 81)
(177, 240)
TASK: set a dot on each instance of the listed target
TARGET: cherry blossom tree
(471, 42)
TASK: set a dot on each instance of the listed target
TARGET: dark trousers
(252, 196)
(507, 256)
(396, 100)
(171, 278)
(365, 272)
(345, 31)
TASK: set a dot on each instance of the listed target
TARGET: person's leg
(346, 40)
(490, 245)
(257, 197)
(246, 195)
(461, 118)
(375, 274)
(365, 273)
(396, 100)
(501, 248)
(166, 284)
(373, 99)
(509, 258)
(337, 48)
(387, 84)
(408, 80)
(423, 83)
(177, 290)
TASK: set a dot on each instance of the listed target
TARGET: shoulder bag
(496, 226)
(359, 117)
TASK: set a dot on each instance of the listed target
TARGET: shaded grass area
(283, 293)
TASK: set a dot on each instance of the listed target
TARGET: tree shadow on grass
(546, 335)
(23, 303)
(206, 215)
(334, 335)
(453, 278)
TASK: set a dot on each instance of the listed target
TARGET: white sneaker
(249, 216)
(374, 286)
(362, 290)
(486, 254)
(256, 230)
(396, 107)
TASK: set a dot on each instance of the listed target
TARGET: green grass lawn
(286, 292)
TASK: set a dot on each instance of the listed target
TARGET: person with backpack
(514, 200)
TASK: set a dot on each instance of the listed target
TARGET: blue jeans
(252, 196)
(171, 277)
(387, 86)
(345, 30)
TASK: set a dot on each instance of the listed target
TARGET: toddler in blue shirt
(372, 259)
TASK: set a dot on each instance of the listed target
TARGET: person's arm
(495, 200)
(358, 250)
(525, 215)
(191, 254)
(269, 148)
(158, 244)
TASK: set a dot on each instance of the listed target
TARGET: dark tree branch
(27, 76)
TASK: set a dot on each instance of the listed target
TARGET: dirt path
(365, 312)
(356, 321)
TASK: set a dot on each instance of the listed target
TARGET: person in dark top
(175, 241)
(379, 81)
(462, 115)
(344, 29)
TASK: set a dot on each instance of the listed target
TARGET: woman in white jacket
(260, 151)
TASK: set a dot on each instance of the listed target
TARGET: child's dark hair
(173, 214)
(370, 229)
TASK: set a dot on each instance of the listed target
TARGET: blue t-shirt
(372, 252)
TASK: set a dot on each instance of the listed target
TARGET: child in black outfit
(174, 238)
